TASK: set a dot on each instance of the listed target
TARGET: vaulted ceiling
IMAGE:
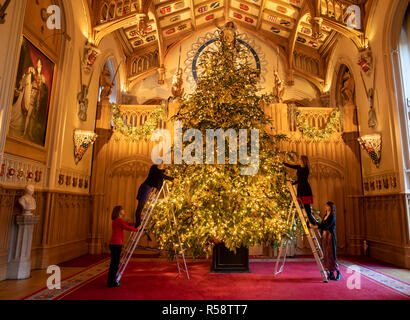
(302, 29)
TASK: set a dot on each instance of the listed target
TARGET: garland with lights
(317, 133)
(136, 133)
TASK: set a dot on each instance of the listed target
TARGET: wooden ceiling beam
(356, 36)
(160, 40)
(292, 41)
(102, 30)
(227, 7)
(260, 18)
(193, 18)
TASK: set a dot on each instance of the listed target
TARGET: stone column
(19, 265)
(353, 182)
(100, 214)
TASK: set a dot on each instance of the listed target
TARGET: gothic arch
(109, 55)
(138, 163)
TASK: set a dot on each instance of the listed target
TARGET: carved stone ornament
(177, 83)
(105, 83)
(82, 97)
(348, 89)
(370, 92)
(142, 25)
(365, 61)
(90, 55)
(279, 86)
(228, 34)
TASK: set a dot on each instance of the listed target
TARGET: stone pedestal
(19, 265)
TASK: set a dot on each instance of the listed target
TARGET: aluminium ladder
(135, 237)
(309, 233)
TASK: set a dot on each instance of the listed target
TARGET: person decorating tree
(155, 180)
(304, 191)
(328, 229)
(117, 238)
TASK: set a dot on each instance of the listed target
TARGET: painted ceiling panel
(175, 18)
(241, 16)
(211, 16)
(247, 8)
(171, 7)
(274, 29)
(279, 20)
(206, 7)
(283, 9)
(184, 26)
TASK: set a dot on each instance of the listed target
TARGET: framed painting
(30, 110)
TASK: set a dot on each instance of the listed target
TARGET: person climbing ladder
(304, 191)
(155, 180)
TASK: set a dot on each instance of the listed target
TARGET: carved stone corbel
(290, 80)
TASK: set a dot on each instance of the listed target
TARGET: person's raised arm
(291, 166)
(124, 225)
(168, 177)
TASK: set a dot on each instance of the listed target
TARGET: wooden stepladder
(309, 233)
(132, 244)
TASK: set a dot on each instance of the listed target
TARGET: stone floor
(18, 289)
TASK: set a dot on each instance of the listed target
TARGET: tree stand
(226, 261)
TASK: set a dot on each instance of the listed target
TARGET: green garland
(316, 133)
(136, 133)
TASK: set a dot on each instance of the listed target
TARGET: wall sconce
(372, 144)
(82, 142)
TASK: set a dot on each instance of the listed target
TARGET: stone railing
(137, 115)
(337, 10)
(284, 118)
(114, 9)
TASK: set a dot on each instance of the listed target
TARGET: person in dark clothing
(304, 189)
(118, 227)
(155, 180)
(328, 229)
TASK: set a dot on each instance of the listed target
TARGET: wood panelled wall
(62, 233)
(387, 227)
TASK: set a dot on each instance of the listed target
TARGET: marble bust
(27, 202)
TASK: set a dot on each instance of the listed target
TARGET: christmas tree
(217, 202)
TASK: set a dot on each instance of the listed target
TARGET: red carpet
(299, 281)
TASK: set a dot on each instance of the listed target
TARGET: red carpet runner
(155, 280)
